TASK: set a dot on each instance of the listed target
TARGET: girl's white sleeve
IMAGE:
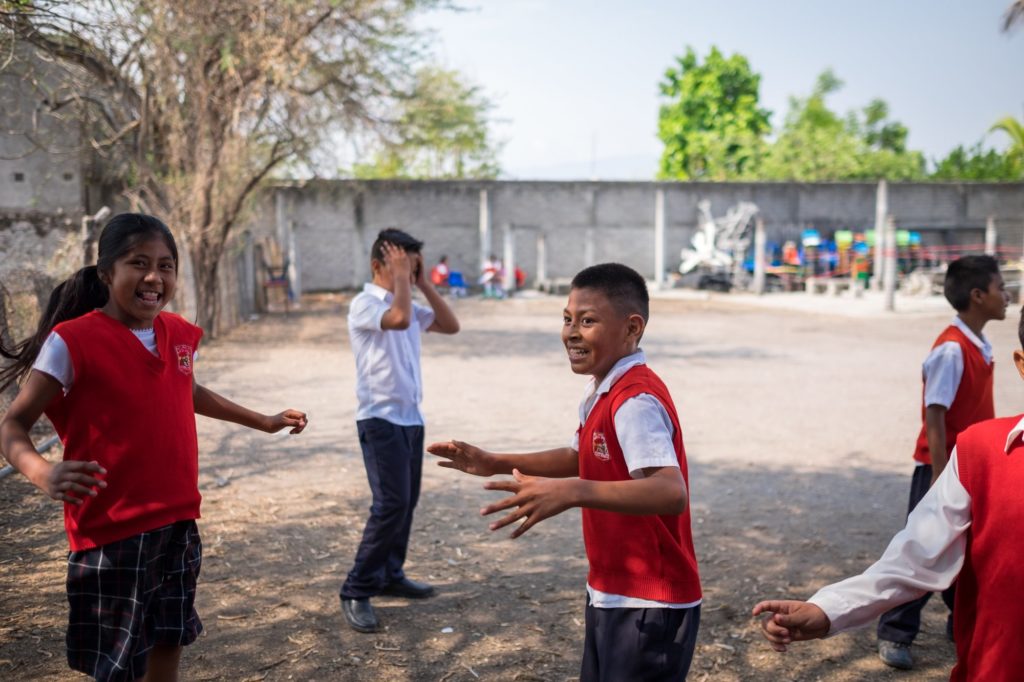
(54, 359)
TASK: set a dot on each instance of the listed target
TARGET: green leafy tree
(977, 163)
(817, 144)
(442, 131)
(712, 125)
(197, 103)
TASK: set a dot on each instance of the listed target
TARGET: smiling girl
(114, 375)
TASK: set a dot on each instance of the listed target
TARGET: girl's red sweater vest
(132, 412)
(973, 400)
(646, 557)
(988, 616)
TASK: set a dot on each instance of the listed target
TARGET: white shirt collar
(1014, 435)
(615, 373)
(378, 291)
(980, 341)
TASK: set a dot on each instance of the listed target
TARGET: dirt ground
(798, 427)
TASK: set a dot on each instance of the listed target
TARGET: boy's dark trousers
(393, 456)
(902, 623)
(653, 645)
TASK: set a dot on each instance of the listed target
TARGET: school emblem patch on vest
(600, 446)
(184, 353)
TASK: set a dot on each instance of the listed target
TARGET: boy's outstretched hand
(791, 621)
(535, 499)
(293, 418)
(464, 457)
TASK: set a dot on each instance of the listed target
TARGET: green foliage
(977, 163)
(816, 144)
(442, 131)
(711, 125)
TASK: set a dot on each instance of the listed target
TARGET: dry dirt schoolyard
(798, 427)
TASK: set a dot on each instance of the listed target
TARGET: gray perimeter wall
(333, 223)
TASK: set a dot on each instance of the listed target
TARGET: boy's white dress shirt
(388, 381)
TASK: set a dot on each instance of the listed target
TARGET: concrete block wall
(333, 223)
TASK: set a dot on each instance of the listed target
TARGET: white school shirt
(54, 359)
(388, 381)
(926, 556)
(944, 367)
(644, 431)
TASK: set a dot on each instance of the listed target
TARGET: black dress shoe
(410, 589)
(360, 614)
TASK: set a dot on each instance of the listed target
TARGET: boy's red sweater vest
(988, 616)
(646, 557)
(132, 412)
(973, 401)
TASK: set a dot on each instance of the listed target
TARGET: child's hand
(791, 621)
(464, 457)
(294, 418)
(419, 277)
(535, 499)
(71, 480)
(397, 260)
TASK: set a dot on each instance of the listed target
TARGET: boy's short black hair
(621, 284)
(393, 235)
(966, 274)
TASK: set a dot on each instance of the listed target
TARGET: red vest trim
(988, 621)
(132, 412)
(645, 557)
(973, 401)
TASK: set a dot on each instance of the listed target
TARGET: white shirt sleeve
(424, 315)
(926, 556)
(366, 312)
(943, 369)
(54, 359)
(644, 430)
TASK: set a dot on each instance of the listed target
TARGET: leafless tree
(195, 103)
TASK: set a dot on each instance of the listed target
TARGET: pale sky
(575, 81)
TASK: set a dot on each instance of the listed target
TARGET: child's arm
(935, 430)
(926, 556)
(557, 463)
(662, 491)
(67, 481)
(445, 321)
(216, 406)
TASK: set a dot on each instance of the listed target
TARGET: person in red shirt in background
(114, 375)
(439, 273)
(626, 468)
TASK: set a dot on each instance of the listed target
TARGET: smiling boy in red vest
(957, 393)
(626, 469)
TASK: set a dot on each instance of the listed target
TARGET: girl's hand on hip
(71, 480)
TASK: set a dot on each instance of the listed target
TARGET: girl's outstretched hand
(293, 418)
(791, 621)
(71, 480)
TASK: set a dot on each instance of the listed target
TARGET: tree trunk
(206, 261)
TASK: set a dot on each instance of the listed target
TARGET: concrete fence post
(881, 211)
(508, 257)
(991, 236)
(485, 229)
(659, 238)
(890, 264)
(542, 257)
(760, 257)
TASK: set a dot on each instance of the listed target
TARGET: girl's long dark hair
(83, 291)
